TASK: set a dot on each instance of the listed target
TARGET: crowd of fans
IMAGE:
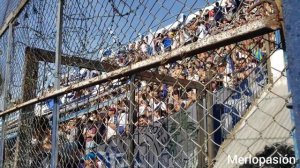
(205, 23)
(223, 68)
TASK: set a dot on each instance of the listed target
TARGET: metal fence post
(8, 66)
(55, 114)
(268, 50)
(131, 122)
(292, 39)
(6, 90)
(2, 142)
(210, 123)
(201, 132)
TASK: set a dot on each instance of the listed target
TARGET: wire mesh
(195, 110)
(10, 128)
(3, 49)
(7, 7)
(35, 26)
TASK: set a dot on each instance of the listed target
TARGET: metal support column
(2, 142)
(201, 129)
(6, 90)
(211, 150)
(292, 39)
(268, 52)
(131, 122)
(8, 66)
(55, 116)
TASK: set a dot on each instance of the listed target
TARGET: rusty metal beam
(30, 76)
(157, 78)
(49, 56)
(246, 31)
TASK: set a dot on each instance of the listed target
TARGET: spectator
(111, 123)
(149, 46)
(144, 47)
(93, 116)
(187, 36)
(143, 107)
(84, 73)
(211, 14)
(177, 101)
(142, 121)
(157, 43)
(123, 116)
(164, 92)
(72, 132)
(182, 37)
(91, 161)
(157, 104)
(89, 134)
(259, 53)
(156, 115)
(229, 6)
(176, 39)
(170, 109)
(201, 31)
(167, 41)
(218, 11)
(192, 75)
(191, 98)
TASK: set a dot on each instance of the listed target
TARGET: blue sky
(139, 17)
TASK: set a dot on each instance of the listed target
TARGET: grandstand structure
(141, 84)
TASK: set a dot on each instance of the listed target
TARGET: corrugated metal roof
(266, 123)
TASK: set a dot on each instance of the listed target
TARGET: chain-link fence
(144, 84)
(3, 51)
(7, 7)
